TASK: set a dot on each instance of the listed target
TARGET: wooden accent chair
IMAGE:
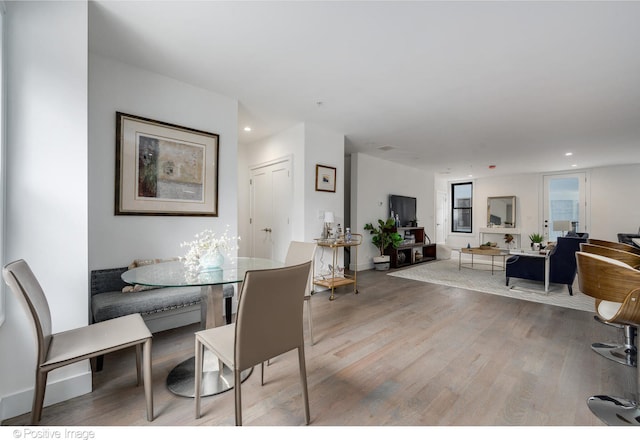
(614, 245)
(56, 350)
(616, 289)
(269, 322)
(625, 353)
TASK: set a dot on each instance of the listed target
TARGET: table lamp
(562, 226)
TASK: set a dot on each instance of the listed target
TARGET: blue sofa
(562, 263)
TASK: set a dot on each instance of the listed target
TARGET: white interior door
(270, 207)
(441, 209)
(564, 200)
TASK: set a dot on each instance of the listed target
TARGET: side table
(338, 279)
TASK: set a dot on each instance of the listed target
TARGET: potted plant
(536, 241)
(383, 236)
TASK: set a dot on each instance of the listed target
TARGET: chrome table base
(181, 379)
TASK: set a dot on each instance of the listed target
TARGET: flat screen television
(405, 207)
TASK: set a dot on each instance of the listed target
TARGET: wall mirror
(501, 211)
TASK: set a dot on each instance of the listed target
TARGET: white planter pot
(381, 262)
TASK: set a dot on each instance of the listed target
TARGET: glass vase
(212, 260)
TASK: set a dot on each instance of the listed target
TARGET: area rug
(480, 279)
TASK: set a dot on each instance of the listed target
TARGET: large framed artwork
(325, 178)
(164, 169)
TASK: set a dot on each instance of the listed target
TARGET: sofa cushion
(112, 304)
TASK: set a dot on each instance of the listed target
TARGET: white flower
(205, 242)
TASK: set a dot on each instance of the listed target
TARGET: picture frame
(325, 178)
(165, 169)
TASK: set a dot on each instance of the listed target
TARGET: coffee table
(492, 252)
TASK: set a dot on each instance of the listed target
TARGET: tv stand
(408, 253)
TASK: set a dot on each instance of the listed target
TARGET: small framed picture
(325, 178)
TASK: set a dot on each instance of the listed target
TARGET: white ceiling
(453, 87)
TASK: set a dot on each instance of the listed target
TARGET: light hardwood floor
(400, 353)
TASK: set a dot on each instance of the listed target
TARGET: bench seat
(108, 301)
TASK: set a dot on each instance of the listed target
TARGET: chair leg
(570, 287)
(148, 378)
(138, 364)
(99, 362)
(303, 380)
(228, 302)
(236, 385)
(507, 284)
(617, 411)
(625, 354)
(262, 373)
(38, 396)
(310, 318)
(198, 376)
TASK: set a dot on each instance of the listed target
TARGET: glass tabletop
(175, 274)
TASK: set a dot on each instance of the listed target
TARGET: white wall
(322, 147)
(614, 201)
(612, 204)
(288, 143)
(373, 180)
(308, 145)
(116, 241)
(46, 191)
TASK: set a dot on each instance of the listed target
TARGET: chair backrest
(614, 245)
(562, 264)
(27, 289)
(629, 258)
(605, 278)
(300, 252)
(269, 320)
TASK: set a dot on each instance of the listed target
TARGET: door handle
(266, 229)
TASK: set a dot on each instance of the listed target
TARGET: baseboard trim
(57, 391)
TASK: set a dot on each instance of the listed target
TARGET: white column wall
(46, 187)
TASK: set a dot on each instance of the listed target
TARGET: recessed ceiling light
(386, 148)
(568, 154)
(247, 128)
(574, 165)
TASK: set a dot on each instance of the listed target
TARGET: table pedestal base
(181, 379)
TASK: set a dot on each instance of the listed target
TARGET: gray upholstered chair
(301, 252)
(269, 322)
(56, 350)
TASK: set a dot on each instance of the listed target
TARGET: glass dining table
(180, 380)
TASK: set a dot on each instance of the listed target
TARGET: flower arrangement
(206, 245)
